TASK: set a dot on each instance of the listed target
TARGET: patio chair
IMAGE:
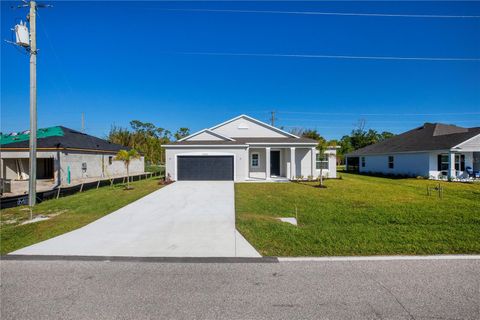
(470, 172)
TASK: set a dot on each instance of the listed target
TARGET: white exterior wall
(331, 172)
(303, 162)
(244, 128)
(423, 164)
(240, 159)
(413, 164)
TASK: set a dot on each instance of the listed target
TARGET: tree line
(358, 138)
(146, 138)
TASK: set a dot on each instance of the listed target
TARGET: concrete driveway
(185, 219)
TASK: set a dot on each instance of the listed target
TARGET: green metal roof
(21, 136)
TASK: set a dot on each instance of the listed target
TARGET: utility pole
(32, 185)
(28, 40)
(83, 122)
(272, 118)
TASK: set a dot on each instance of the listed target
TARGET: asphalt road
(445, 289)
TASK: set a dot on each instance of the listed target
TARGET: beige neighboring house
(246, 149)
(65, 157)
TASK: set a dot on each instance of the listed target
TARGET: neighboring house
(434, 150)
(243, 149)
(64, 157)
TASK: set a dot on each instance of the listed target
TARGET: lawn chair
(469, 171)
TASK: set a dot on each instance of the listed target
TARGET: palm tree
(127, 157)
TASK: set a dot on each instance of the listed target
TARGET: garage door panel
(205, 168)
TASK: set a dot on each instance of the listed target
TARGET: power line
(435, 16)
(381, 114)
(381, 121)
(323, 56)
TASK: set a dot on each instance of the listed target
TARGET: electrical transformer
(22, 37)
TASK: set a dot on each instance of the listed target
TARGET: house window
(110, 160)
(254, 160)
(363, 162)
(460, 162)
(390, 162)
(322, 162)
(443, 162)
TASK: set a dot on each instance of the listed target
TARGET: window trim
(258, 159)
(391, 162)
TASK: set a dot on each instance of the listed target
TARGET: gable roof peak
(207, 130)
(245, 116)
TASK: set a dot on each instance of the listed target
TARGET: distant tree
(127, 157)
(360, 138)
(386, 135)
(312, 134)
(181, 133)
(296, 131)
(144, 137)
(120, 136)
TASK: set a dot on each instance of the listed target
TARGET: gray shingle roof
(429, 137)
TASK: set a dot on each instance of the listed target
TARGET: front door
(275, 163)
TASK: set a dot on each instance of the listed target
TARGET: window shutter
(439, 162)
(462, 162)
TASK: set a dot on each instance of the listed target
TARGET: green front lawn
(66, 213)
(360, 215)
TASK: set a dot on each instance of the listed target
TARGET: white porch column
(451, 164)
(314, 161)
(246, 162)
(267, 163)
(292, 163)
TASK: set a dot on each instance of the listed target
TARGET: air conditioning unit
(22, 38)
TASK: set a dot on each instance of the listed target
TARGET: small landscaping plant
(127, 157)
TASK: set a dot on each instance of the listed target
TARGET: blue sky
(124, 61)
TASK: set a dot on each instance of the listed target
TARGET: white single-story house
(64, 157)
(246, 149)
(434, 150)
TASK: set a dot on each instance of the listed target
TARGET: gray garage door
(205, 167)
